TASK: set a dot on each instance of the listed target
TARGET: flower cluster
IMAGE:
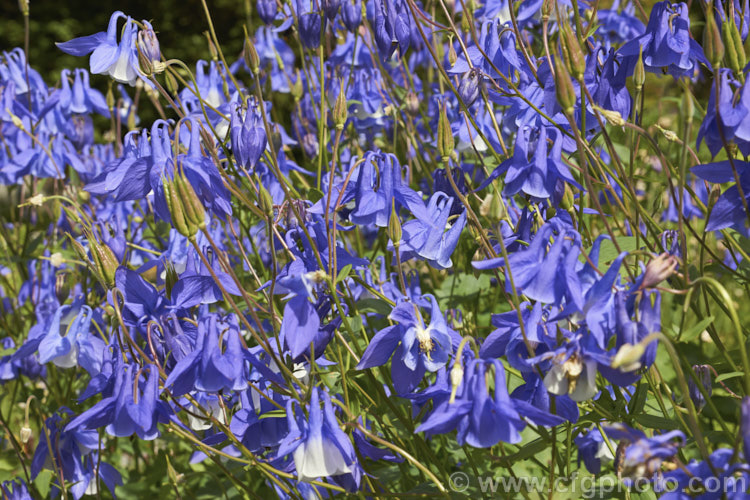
(389, 239)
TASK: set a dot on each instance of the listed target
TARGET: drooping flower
(108, 56)
(319, 447)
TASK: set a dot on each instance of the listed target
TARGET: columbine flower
(667, 43)
(484, 416)
(319, 447)
(639, 456)
(592, 449)
(418, 348)
(108, 56)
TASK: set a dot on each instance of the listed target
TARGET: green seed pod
(639, 72)
(394, 225)
(713, 47)
(566, 94)
(445, 135)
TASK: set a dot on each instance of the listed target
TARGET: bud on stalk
(252, 60)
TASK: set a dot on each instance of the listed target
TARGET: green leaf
(344, 273)
(656, 422)
(727, 376)
(696, 330)
(374, 305)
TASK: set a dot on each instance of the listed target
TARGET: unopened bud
(297, 89)
(25, 434)
(659, 269)
(252, 60)
(613, 117)
(628, 357)
(445, 135)
(62, 287)
(266, 201)
(703, 373)
(713, 47)
(468, 86)
(457, 377)
(452, 56)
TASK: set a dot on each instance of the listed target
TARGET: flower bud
(330, 8)
(628, 357)
(659, 269)
(267, 10)
(445, 135)
(351, 15)
(265, 201)
(252, 60)
(468, 86)
(149, 53)
(713, 47)
(25, 434)
(457, 377)
(310, 26)
(62, 287)
(566, 94)
(412, 103)
(704, 376)
(394, 225)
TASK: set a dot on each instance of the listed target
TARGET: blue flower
(217, 361)
(433, 238)
(131, 406)
(319, 447)
(667, 43)
(419, 348)
(108, 56)
(592, 449)
(729, 209)
(642, 456)
(70, 453)
(481, 419)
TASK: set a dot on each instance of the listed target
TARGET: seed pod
(572, 51)
(394, 225)
(340, 111)
(713, 47)
(445, 135)
(639, 72)
(566, 94)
